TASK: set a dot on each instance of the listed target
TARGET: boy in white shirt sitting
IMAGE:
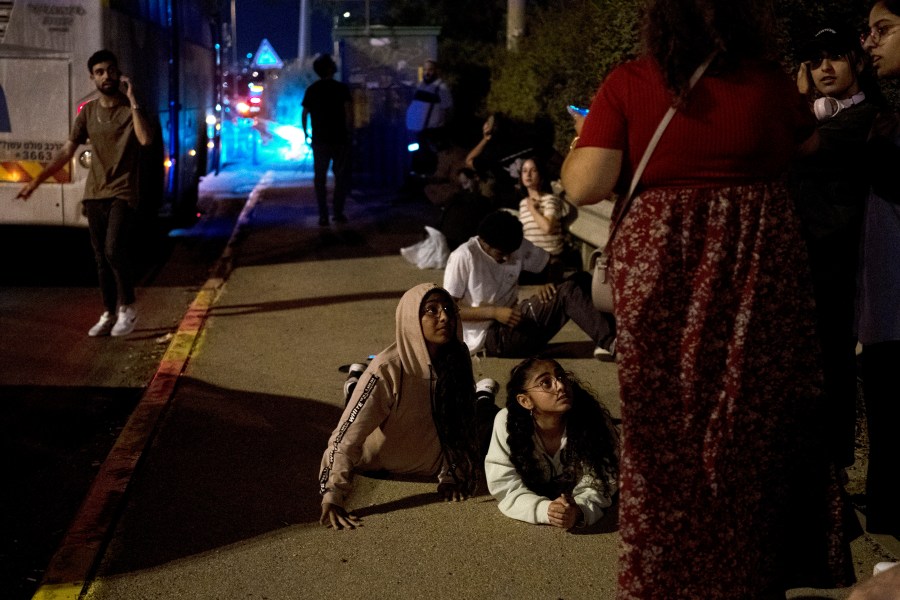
(482, 275)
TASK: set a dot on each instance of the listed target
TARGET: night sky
(278, 21)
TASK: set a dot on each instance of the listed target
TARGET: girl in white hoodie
(553, 457)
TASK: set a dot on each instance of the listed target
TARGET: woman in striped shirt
(540, 213)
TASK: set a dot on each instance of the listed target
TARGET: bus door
(34, 124)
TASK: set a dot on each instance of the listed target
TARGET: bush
(569, 49)
(571, 46)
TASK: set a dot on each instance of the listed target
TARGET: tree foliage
(569, 47)
(572, 44)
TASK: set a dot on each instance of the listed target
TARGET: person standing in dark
(829, 187)
(117, 126)
(878, 301)
(723, 461)
(428, 117)
(329, 104)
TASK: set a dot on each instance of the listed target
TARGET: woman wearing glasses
(879, 293)
(413, 411)
(553, 458)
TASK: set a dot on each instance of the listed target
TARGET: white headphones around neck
(826, 107)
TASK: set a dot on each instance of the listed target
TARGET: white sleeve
(504, 483)
(590, 500)
(456, 273)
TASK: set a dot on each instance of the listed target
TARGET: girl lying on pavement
(553, 457)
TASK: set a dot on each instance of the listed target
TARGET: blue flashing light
(413, 147)
(266, 58)
(249, 55)
(294, 135)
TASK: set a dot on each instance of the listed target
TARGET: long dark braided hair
(453, 407)
(592, 445)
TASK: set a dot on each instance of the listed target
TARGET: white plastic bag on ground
(430, 253)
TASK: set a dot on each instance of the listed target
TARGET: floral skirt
(726, 491)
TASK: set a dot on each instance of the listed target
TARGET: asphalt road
(64, 397)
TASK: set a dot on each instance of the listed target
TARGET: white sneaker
(126, 321)
(353, 375)
(486, 388)
(602, 354)
(103, 326)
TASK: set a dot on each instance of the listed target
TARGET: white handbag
(601, 287)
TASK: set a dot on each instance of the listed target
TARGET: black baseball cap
(830, 41)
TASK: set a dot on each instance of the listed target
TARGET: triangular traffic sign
(266, 57)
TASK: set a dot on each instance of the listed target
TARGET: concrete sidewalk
(224, 503)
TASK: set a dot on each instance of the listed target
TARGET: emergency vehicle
(165, 46)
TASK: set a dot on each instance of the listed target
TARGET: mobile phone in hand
(577, 110)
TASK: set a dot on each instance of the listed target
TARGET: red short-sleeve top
(737, 127)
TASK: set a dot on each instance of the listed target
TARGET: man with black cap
(482, 276)
(830, 188)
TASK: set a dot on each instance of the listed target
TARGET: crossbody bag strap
(667, 118)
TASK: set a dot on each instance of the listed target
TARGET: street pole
(234, 61)
(515, 23)
(367, 17)
(303, 37)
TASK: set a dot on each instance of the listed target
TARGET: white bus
(166, 46)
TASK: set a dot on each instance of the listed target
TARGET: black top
(831, 185)
(325, 100)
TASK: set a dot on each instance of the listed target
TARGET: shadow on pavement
(609, 523)
(53, 440)
(579, 349)
(398, 504)
(227, 465)
(287, 231)
(233, 310)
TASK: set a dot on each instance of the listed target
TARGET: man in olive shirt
(116, 126)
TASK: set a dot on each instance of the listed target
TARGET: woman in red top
(725, 492)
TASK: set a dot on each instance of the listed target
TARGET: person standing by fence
(427, 118)
(329, 104)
